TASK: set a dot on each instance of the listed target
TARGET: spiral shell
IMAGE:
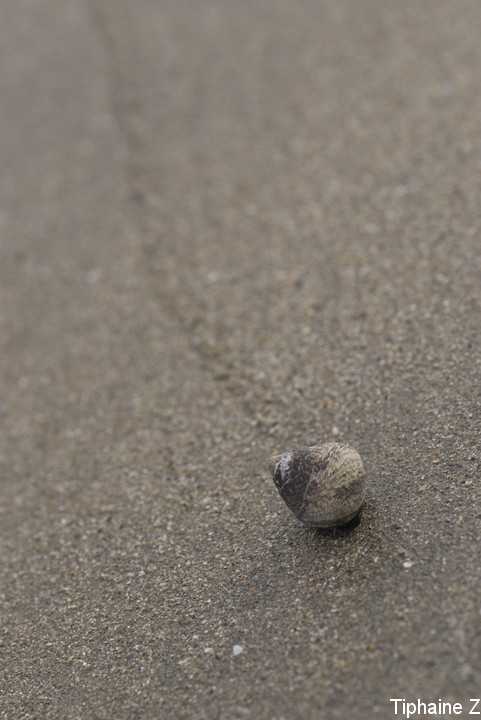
(322, 485)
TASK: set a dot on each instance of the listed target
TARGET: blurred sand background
(227, 228)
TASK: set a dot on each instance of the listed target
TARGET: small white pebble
(212, 277)
(93, 276)
(237, 649)
(407, 564)
(335, 430)
(208, 650)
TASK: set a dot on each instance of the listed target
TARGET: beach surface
(228, 229)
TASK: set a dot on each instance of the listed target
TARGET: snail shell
(322, 485)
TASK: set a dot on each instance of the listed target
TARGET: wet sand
(227, 229)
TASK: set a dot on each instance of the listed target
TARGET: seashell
(322, 485)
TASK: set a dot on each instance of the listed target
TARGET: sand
(226, 229)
